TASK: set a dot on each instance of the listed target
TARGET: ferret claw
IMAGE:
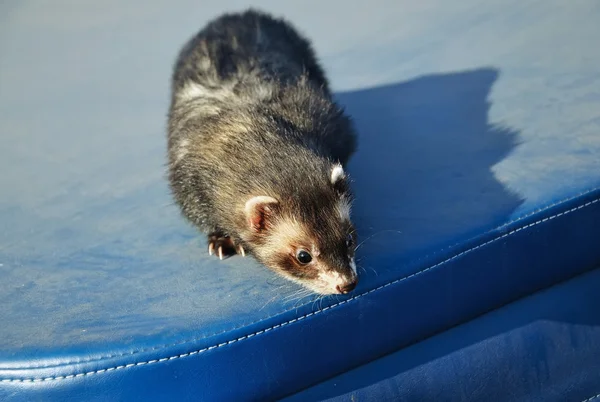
(221, 245)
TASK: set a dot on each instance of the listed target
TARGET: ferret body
(257, 149)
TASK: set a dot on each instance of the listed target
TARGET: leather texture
(541, 348)
(477, 182)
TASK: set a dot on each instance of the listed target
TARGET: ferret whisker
(268, 302)
(364, 268)
(301, 298)
(277, 295)
(280, 289)
(321, 302)
(315, 300)
(297, 295)
(375, 234)
(291, 296)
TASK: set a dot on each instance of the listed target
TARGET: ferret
(257, 150)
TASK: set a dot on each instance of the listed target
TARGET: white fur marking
(337, 173)
(353, 266)
(332, 279)
(343, 209)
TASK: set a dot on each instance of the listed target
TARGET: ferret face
(310, 239)
(320, 257)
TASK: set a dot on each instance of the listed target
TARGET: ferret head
(307, 237)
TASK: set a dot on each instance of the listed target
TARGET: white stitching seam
(63, 377)
(592, 398)
(182, 342)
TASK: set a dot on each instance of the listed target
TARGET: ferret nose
(347, 288)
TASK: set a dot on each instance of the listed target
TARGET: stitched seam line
(537, 211)
(591, 399)
(504, 225)
(182, 342)
(164, 359)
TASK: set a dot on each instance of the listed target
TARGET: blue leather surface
(477, 183)
(542, 348)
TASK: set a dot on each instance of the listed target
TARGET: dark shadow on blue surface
(423, 171)
(424, 180)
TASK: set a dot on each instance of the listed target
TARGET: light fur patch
(337, 173)
(283, 232)
(182, 150)
(353, 266)
(332, 279)
(263, 92)
(193, 90)
(204, 64)
(344, 209)
(289, 230)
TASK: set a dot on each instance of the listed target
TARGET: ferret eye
(303, 257)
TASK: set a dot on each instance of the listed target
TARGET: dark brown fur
(252, 116)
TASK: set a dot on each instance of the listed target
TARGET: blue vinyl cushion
(477, 182)
(554, 355)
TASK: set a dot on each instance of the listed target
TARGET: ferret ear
(259, 210)
(338, 179)
(337, 174)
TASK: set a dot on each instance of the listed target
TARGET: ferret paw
(223, 246)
